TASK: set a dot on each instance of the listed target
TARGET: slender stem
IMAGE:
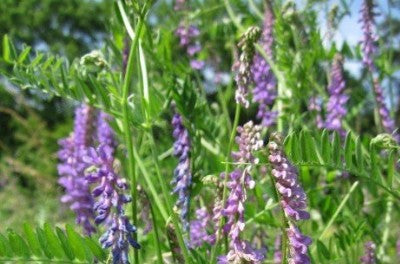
(156, 235)
(167, 196)
(215, 249)
(285, 220)
(338, 210)
(126, 129)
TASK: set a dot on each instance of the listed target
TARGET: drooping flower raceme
(369, 48)
(387, 122)
(336, 108)
(71, 168)
(369, 253)
(249, 141)
(182, 174)
(293, 199)
(264, 91)
(369, 37)
(242, 66)
(187, 40)
(109, 193)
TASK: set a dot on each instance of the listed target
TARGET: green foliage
(49, 244)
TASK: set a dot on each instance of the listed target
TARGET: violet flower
(242, 65)
(336, 108)
(249, 141)
(369, 48)
(315, 106)
(71, 168)
(198, 229)
(369, 253)
(264, 91)
(386, 120)
(187, 40)
(110, 195)
(369, 37)
(293, 199)
(182, 175)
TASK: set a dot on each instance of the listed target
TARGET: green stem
(151, 186)
(167, 195)
(215, 249)
(338, 210)
(157, 241)
(126, 129)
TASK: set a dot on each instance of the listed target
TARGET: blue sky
(349, 28)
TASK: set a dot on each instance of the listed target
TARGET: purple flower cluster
(369, 253)
(182, 175)
(198, 229)
(242, 65)
(387, 122)
(187, 36)
(264, 91)
(71, 168)
(314, 106)
(293, 199)
(249, 141)
(110, 194)
(369, 38)
(369, 48)
(336, 108)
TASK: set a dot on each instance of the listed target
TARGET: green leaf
(65, 244)
(32, 240)
(359, 157)
(23, 55)
(76, 243)
(6, 49)
(336, 152)
(326, 147)
(348, 151)
(53, 242)
(97, 251)
(43, 243)
(5, 249)
(323, 252)
(18, 245)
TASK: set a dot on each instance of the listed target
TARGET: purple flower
(109, 193)
(242, 65)
(198, 229)
(249, 141)
(315, 106)
(336, 108)
(369, 253)
(187, 40)
(398, 247)
(298, 246)
(386, 120)
(286, 182)
(369, 38)
(264, 91)
(293, 199)
(71, 168)
(182, 175)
